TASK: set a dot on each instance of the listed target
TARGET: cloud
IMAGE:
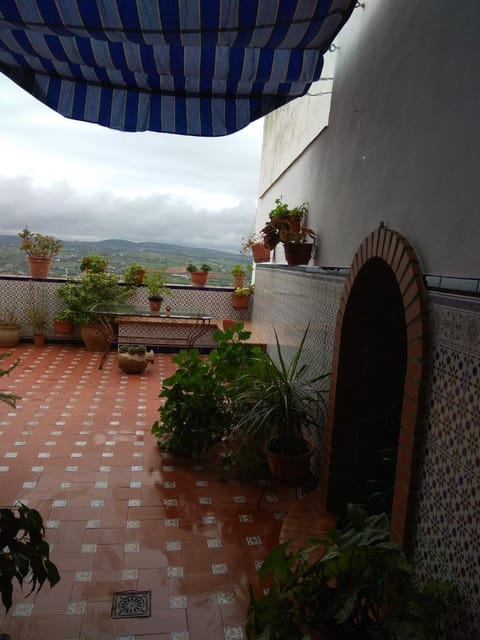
(80, 181)
(69, 214)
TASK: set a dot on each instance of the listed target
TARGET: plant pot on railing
(260, 253)
(39, 267)
(298, 253)
(155, 303)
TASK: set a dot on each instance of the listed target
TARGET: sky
(80, 181)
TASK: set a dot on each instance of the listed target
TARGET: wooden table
(151, 328)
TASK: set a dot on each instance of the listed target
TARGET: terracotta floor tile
(132, 517)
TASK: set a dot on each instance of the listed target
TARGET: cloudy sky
(80, 181)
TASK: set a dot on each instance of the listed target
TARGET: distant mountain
(119, 245)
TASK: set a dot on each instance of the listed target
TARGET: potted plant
(286, 225)
(196, 400)
(239, 273)
(133, 358)
(81, 293)
(134, 274)
(94, 264)
(9, 328)
(255, 244)
(40, 250)
(39, 319)
(241, 297)
(63, 322)
(282, 408)
(198, 276)
(157, 288)
(362, 587)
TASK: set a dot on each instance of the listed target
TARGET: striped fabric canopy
(195, 67)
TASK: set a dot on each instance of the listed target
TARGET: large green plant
(23, 552)
(92, 288)
(278, 404)
(362, 588)
(197, 408)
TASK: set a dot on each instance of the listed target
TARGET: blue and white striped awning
(196, 67)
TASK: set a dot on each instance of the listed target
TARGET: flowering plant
(39, 246)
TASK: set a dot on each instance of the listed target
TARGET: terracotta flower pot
(63, 327)
(199, 278)
(290, 469)
(39, 339)
(238, 281)
(155, 303)
(240, 302)
(260, 253)
(93, 336)
(39, 267)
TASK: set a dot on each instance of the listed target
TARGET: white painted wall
(403, 140)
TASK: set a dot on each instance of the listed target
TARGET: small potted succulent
(133, 358)
(9, 328)
(241, 297)
(134, 274)
(198, 276)
(157, 288)
(40, 250)
(94, 264)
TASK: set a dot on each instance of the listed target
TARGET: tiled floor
(119, 515)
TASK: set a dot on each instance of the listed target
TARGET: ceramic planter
(238, 281)
(199, 278)
(155, 303)
(298, 254)
(39, 339)
(63, 327)
(260, 253)
(93, 336)
(240, 302)
(39, 267)
(9, 336)
(134, 363)
(290, 469)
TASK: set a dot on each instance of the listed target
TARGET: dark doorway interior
(369, 392)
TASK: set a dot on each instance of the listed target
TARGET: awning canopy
(196, 67)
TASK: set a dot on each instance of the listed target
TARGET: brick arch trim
(399, 255)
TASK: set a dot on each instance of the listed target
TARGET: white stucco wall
(403, 140)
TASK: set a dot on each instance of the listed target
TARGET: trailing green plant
(156, 282)
(94, 263)
(23, 552)
(133, 272)
(6, 396)
(278, 405)
(38, 245)
(363, 586)
(81, 293)
(196, 412)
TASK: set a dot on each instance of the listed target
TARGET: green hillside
(122, 253)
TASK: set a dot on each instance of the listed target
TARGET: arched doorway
(376, 379)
